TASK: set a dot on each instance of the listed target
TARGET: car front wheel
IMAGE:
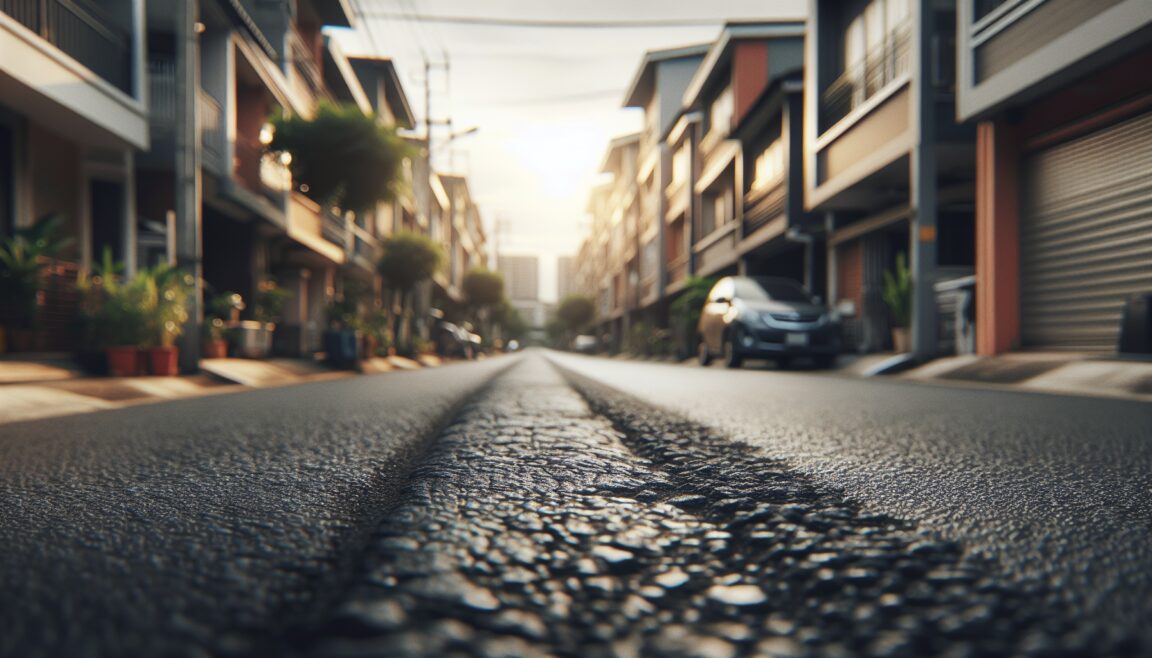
(702, 353)
(732, 356)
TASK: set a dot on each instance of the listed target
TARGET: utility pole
(189, 245)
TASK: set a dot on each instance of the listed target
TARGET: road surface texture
(534, 506)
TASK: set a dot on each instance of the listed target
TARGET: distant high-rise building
(565, 277)
(521, 277)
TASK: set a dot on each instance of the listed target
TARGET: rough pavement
(204, 526)
(537, 526)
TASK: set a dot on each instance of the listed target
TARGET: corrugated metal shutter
(1085, 236)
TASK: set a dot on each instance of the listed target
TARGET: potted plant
(166, 294)
(342, 337)
(375, 327)
(23, 258)
(255, 338)
(116, 316)
(897, 295)
(222, 309)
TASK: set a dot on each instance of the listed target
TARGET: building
(73, 115)
(565, 277)
(658, 89)
(886, 164)
(522, 287)
(1060, 95)
(521, 277)
(739, 203)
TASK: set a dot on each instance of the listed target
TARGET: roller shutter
(1085, 236)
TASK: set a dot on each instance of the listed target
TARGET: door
(1085, 236)
(106, 199)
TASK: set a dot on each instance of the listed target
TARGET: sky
(544, 101)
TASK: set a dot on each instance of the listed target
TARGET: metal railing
(863, 79)
(80, 29)
(211, 126)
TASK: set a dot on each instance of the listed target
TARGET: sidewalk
(1052, 372)
(49, 385)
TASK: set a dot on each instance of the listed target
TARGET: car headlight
(754, 319)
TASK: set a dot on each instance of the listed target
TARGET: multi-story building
(1060, 93)
(522, 286)
(614, 267)
(658, 89)
(565, 276)
(73, 113)
(733, 206)
(886, 164)
(521, 277)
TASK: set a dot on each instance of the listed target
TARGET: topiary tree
(483, 292)
(574, 314)
(686, 313)
(407, 259)
(341, 156)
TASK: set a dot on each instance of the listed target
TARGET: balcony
(260, 172)
(83, 31)
(861, 81)
(162, 113)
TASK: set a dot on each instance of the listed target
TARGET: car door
(712, 316)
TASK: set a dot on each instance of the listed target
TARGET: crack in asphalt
(552, 521)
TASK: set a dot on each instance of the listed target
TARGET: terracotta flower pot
(215, 349)
(901, 340)
(122, 360)
(165, 361)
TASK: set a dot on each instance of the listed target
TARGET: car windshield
(777, 290)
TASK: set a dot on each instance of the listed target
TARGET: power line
(553, 23)
(546, 100)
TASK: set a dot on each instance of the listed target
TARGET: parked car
(585, 344)
(453, 340)
(767, 318)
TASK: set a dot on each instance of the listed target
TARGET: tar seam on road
(331, 586)
(545, 523)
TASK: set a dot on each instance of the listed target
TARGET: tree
(686, 312)
(407, 260)
(512, 324)
(575, 312)
(341, 157)
(483, 292)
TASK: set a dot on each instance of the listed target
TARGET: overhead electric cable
(556, 23)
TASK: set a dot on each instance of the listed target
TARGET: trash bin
(1136, 325)
(956, 303)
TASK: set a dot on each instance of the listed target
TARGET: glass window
(768, 289)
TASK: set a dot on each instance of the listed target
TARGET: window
(681, 166)
(876, 45)
(770, 167)
(720, 113)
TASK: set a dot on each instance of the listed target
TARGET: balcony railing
(863, 79)
(80, 29)
(211, 127)
(162, 109)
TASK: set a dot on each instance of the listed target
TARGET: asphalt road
(551, 504)
(184, 528)
(1056, 489)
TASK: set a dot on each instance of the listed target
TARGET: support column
(997, 238)
(189, 238)
(924, 191)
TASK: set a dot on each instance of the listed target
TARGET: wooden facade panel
(884, 125)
